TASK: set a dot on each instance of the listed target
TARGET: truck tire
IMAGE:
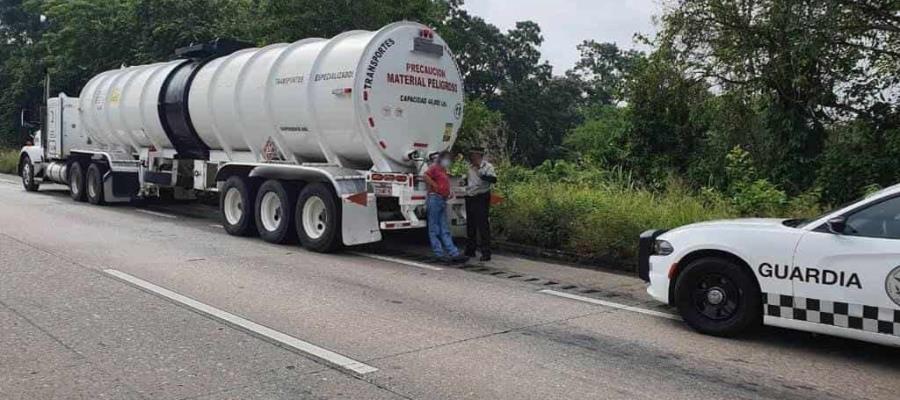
(76, 182)
(236, 206)
(275, 212)
(318, 218)
(28, 181)
(717, 297)
(94, 184)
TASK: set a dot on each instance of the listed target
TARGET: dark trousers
(478, 225)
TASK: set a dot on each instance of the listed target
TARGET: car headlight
(662, 248)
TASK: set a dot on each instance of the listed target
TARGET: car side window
(880, 220)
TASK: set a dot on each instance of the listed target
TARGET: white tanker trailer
(319, 139)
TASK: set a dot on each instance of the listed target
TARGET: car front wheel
(718, 297)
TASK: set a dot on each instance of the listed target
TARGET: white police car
(838, 274)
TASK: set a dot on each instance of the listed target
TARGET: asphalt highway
(155, 301)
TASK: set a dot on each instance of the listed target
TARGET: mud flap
(359, 222)
(120, 186)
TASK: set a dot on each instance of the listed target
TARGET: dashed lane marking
(156, 213)
(217, 226)
(319, 353)
(399, 261)
(611, 304)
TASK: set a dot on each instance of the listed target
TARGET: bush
(599, 213)
(9, 160)
(754, 196)
(595, 219)
(603, 136)
(856, 157)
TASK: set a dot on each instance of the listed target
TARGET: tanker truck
(320, 140)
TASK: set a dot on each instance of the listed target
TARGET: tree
(604, 136)
(667, 111)
(504, 70)
(814, 62)
(483, 127)
(540, 113)
(478, 48)
(290, 20)
(606, 70)
(20, 67)
(85, 37)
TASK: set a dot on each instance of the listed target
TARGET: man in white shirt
(481, 178)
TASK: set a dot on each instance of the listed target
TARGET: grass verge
(595, 222)
(9, 159)
(598, 214)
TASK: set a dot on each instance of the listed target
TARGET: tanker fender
(344, 181)
(121, 181)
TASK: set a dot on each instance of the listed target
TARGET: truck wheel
(717, 297)
(318, 218)
(236, 206)
(275, 212)
(94, 184)
(76, 181)
(28, 181)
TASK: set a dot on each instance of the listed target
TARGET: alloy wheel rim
(716, 297)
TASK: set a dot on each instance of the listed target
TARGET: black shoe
(485, 257)
(470, 253)
(459, 259)
(437, 260)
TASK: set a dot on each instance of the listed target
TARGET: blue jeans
(439, 227)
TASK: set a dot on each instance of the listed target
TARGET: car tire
(94, 184)
(718, 297)
(318, 219)
(76, 181)
(274, 212)
(28, 180)
(236, 205)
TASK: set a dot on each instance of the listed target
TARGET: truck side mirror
(837, 225)
(24, 120)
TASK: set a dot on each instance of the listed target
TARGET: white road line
(399, 261)
(217, 226)
(310, 349)
(155, 213)
(611, 304)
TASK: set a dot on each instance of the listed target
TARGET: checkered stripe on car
(835, 313)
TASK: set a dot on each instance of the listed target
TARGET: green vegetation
(598, 213)
(9, 159)
(592, 212)
(769, 107)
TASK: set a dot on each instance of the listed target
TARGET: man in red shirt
(436, 204)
